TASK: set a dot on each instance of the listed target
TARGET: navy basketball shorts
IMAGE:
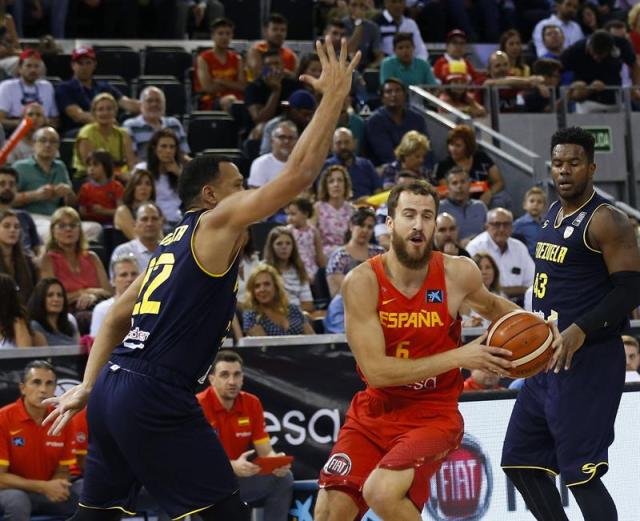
(143, 431)
(563, 423)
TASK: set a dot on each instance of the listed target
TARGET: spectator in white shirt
(268, 166)
(148, 232)
(392, 21)
(125, 270)
(512, 257)
(26, 88)
(564, 18)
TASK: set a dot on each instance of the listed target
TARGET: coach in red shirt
(238, 419)
(34, 466)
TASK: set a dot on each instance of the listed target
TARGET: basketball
(527, 336)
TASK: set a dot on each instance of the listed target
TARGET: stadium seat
(116, 81)
(66, 151)
(211, 130)
(58, 65)
(174, 61)
(118, 61)
(173, 90)
(241, 116)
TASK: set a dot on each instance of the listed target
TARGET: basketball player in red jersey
(401, 312)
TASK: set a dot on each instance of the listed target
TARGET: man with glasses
(25, 89)
(268, 166)
(43, 180)
(512, 257)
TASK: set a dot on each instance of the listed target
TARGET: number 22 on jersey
(158, 272)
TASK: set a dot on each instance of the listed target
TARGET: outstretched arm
(114, 328)
(366, 340)
(307, 157)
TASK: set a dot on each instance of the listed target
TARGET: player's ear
(208, 195)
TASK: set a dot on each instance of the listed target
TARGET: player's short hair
(226, 355)
(601, 42)
(221, 22)
(37, 364)
(198, 172)
(402, 37)
(417, 187)
(548, 27)
(575, 136)
(456, 170)
(535, 190)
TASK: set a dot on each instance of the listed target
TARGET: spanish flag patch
(243, 421)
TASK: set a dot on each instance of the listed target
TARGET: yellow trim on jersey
(586, 227)
(80, 452)
(67, 461)
(4, 462)
(529, 467)
(262, 440)
(588, 468)
(192, 512)
(555, 225)
(193, 253)
(108, 508)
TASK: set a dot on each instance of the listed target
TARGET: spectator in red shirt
(238, 419)
(481, 380)
(275, 33)
(100, 195)
(34, 466)
(220, 71)
(456, 43)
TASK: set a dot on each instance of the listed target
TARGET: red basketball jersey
(417, 327)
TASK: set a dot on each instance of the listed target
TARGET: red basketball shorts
(391, 435)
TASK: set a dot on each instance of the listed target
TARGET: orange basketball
(527, 336)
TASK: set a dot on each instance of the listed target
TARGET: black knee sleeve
(96, 514)
(539, 493)
(594, 501)
(231, 508)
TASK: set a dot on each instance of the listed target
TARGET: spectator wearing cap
(458, 95)
(25, 89)
(386, 126)
(152, 118)
(596, 63)
(220, 74)
(74, 97)
(391, 21)
(363, 34)
(564, 17)
(300, 109)
(404, 65)
(364, 178)
(268, 166)
(456, 43)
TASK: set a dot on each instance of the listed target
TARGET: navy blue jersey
(571, 276)
(182, 313)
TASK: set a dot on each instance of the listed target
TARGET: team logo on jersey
(81, 437)
(462, 487)
(546, 223)
(18, 441)
(338, 465)
(568, 231)
(579, 219)
(435, 296)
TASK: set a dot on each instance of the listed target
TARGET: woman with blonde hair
(104, 133)
(68, 259)
(267, 310)
(410, 154)
(333, 209)
(281, 252)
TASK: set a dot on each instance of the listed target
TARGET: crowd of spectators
(112, 197)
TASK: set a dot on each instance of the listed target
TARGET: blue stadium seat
(174, 61)
(213, 129)
(121, 61)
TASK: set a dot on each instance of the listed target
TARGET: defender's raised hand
(335, 79)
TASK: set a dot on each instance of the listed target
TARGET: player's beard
(412, 262)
